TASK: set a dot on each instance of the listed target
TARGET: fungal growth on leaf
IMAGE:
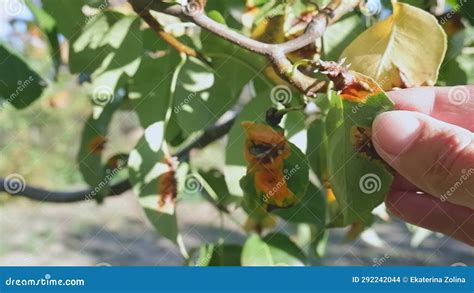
(352, 86)
(266, 148)
(167, 189)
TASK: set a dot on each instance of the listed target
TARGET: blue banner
(200, 279)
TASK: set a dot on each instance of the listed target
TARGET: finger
(401, 183)
(454, 105)
(431, 213)
(435, 156)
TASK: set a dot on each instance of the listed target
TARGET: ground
(118, 233)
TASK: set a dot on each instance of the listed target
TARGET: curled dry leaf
(404, 50)
(351, 86)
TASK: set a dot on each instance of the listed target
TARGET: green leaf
(19, 85)
(317, 149)
(152, 87)
(359, 178)
(273, 250)
(219, 255)
(68, 15)
(225, 8)
(467, 9)
(311, 209)
(204, 95)
(466, 62)
(94, 138)
(452, 74)
(214, 184)
(126, 40)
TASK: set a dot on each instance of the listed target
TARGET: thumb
(435, 156)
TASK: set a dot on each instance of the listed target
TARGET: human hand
(429, 142)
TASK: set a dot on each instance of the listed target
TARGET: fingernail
(395, 131)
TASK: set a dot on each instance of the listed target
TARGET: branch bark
(276, 53)
(210, 135)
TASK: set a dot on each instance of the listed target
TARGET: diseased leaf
(273, 250)
(235, 167)
(359, 178)
(153, 174)
(152, 181)
(93, 143)
(404, 50)
(277, 174)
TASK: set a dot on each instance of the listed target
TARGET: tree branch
(276, 53)
(210, 135)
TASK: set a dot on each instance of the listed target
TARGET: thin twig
(276, 53)
(210, 135)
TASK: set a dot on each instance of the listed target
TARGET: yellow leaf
(404, 50)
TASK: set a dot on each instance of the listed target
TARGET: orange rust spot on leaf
(275, 187)
(264, 146)
(330, 195)
(97, 145)
(167, 189)
(361, 139)
(265, 151)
